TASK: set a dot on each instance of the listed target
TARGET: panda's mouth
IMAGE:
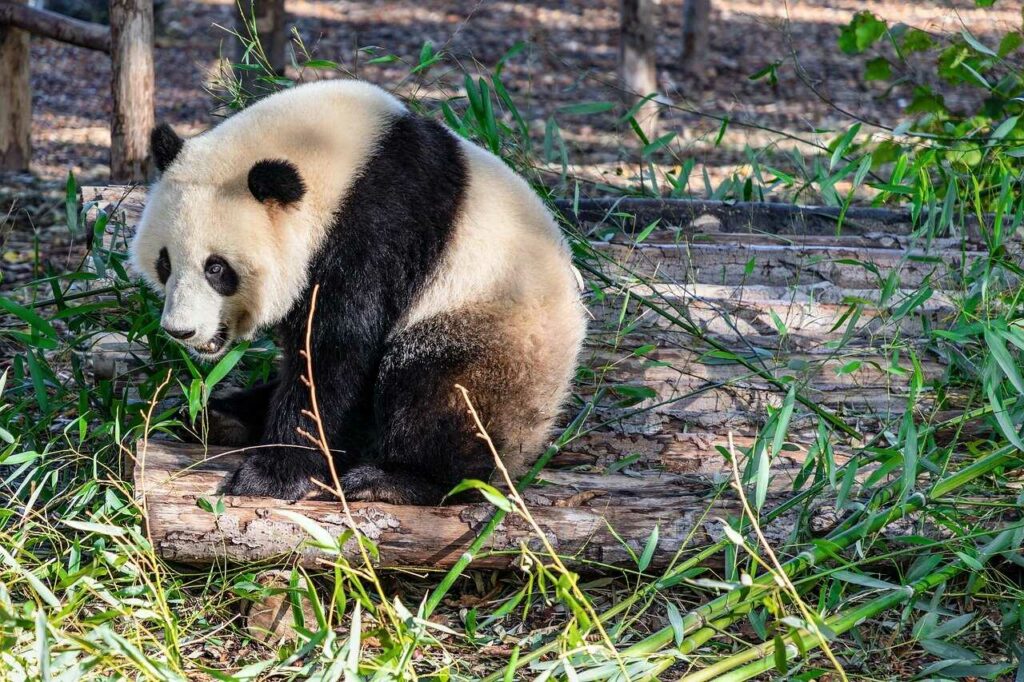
(216, 344)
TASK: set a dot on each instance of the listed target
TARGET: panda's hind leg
(426, 439)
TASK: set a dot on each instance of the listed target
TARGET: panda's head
(213, 239)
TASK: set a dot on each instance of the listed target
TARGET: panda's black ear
(277, 181)
(165, 144)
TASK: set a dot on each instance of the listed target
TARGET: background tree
(637, 64)
(16, 106)
(696, 24)
(263, 25)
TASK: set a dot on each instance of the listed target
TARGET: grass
(83, 595)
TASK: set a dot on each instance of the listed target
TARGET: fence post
(131, 54)
(15, 100)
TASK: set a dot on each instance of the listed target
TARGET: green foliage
(979, 140)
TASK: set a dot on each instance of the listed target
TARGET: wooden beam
(55, 26)
(132, 118)
(15, 95)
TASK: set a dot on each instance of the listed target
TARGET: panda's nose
(180, 334)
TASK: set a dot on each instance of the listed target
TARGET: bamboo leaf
(490, 493)
(314, 530)
(675, 619)
(224, 365)
(648, 553)
(1001, 354)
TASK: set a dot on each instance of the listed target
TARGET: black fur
(164, 144)
(276, 180)
(163, 266)
(389, 235)
(221, 276)
(237, 416)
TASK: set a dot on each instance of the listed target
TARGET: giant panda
(437, 265)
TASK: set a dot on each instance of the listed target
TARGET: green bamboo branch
(808, 558)
(740, 666)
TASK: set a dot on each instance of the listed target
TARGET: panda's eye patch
(163, 266)
(221, 276)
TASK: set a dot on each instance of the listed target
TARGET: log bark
(696, 28)
(637, 62)
(55, 26)
(15, 96)
(131, 29)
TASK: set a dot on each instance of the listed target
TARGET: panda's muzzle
(214, 345)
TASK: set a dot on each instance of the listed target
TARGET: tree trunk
(637, 64)
(696, 24)
(131, 30)
(263, 20)
(15, 100)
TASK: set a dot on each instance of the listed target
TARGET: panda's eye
(163, 266)
(221, 276)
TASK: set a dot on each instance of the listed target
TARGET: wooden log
(575, 511)
(811, 315)
(55, 26)
(131, 30)
(682, 220)
(15, 94)
(637, 60)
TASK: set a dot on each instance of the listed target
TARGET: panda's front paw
(280, 474)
